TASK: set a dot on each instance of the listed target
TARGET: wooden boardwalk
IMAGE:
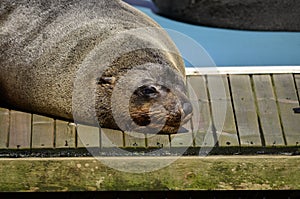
(234, 110)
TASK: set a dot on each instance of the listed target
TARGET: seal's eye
(149, 91)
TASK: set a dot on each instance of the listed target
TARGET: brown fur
(64, 59)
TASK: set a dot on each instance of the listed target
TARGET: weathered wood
(287, 100)
(160, 141)
(297, 80)
(222, 112)
(42, 132)
(267, 110)
(17, 132)
(182, 140)
(245, 110)
(186, 173)
(20, 130)
(65, 134)
(201, 120)
(88, 136)
(111, 138)
(133, 139)
(4, 127)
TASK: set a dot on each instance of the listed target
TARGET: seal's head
(155, 107)
(150, 97)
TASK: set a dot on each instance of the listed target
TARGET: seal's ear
(106, 80)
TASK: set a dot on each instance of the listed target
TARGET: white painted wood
(242, 70)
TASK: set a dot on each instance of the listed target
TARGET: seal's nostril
(187, 108)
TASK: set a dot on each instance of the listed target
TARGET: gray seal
(259, 15)
(93, 61)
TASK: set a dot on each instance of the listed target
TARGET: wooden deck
(259, 113)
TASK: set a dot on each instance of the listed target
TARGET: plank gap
(297, 85)
(246, 115)
(262, 138)
(267, 110)
(287, 100)
(233, 109)
(213, 127)
(278, 109)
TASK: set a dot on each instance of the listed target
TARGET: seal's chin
(159, 122)
(175, 129)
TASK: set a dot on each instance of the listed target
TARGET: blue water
(234, 47)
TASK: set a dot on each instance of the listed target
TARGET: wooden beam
(267, 110)
(20, 130)
(42, 132)
(245, 110)
(184, 173)
(287, 100)
(4, 127)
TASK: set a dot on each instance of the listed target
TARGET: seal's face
(144, 92)
(144, 101)
(160, 109)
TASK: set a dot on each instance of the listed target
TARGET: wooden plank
(245, 110)
(297, 80)
(222, 111)
(201, 121)
(4, 127)
(111, 138)
(156, 140)
(242, 70)
(182, 140)
(287, 100)
(133, 139)
(20, 130)
(42, 132)
(65, 136)
(88, 136)
(267, 110)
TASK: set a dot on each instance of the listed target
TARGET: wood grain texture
(133, 139)
(297, 79)
(111, 138)
(88, 136)
(222, 112)
(267, 110)
(65, 134)
(287, 100)
(42, 132)
(266, 105)
(20, 130)
(182, 140)
(245, 110)
(4, 127)
(201, 120)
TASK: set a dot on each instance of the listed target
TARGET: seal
(96, 62)
(267, 15)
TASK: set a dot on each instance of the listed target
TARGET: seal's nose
(187, 108)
